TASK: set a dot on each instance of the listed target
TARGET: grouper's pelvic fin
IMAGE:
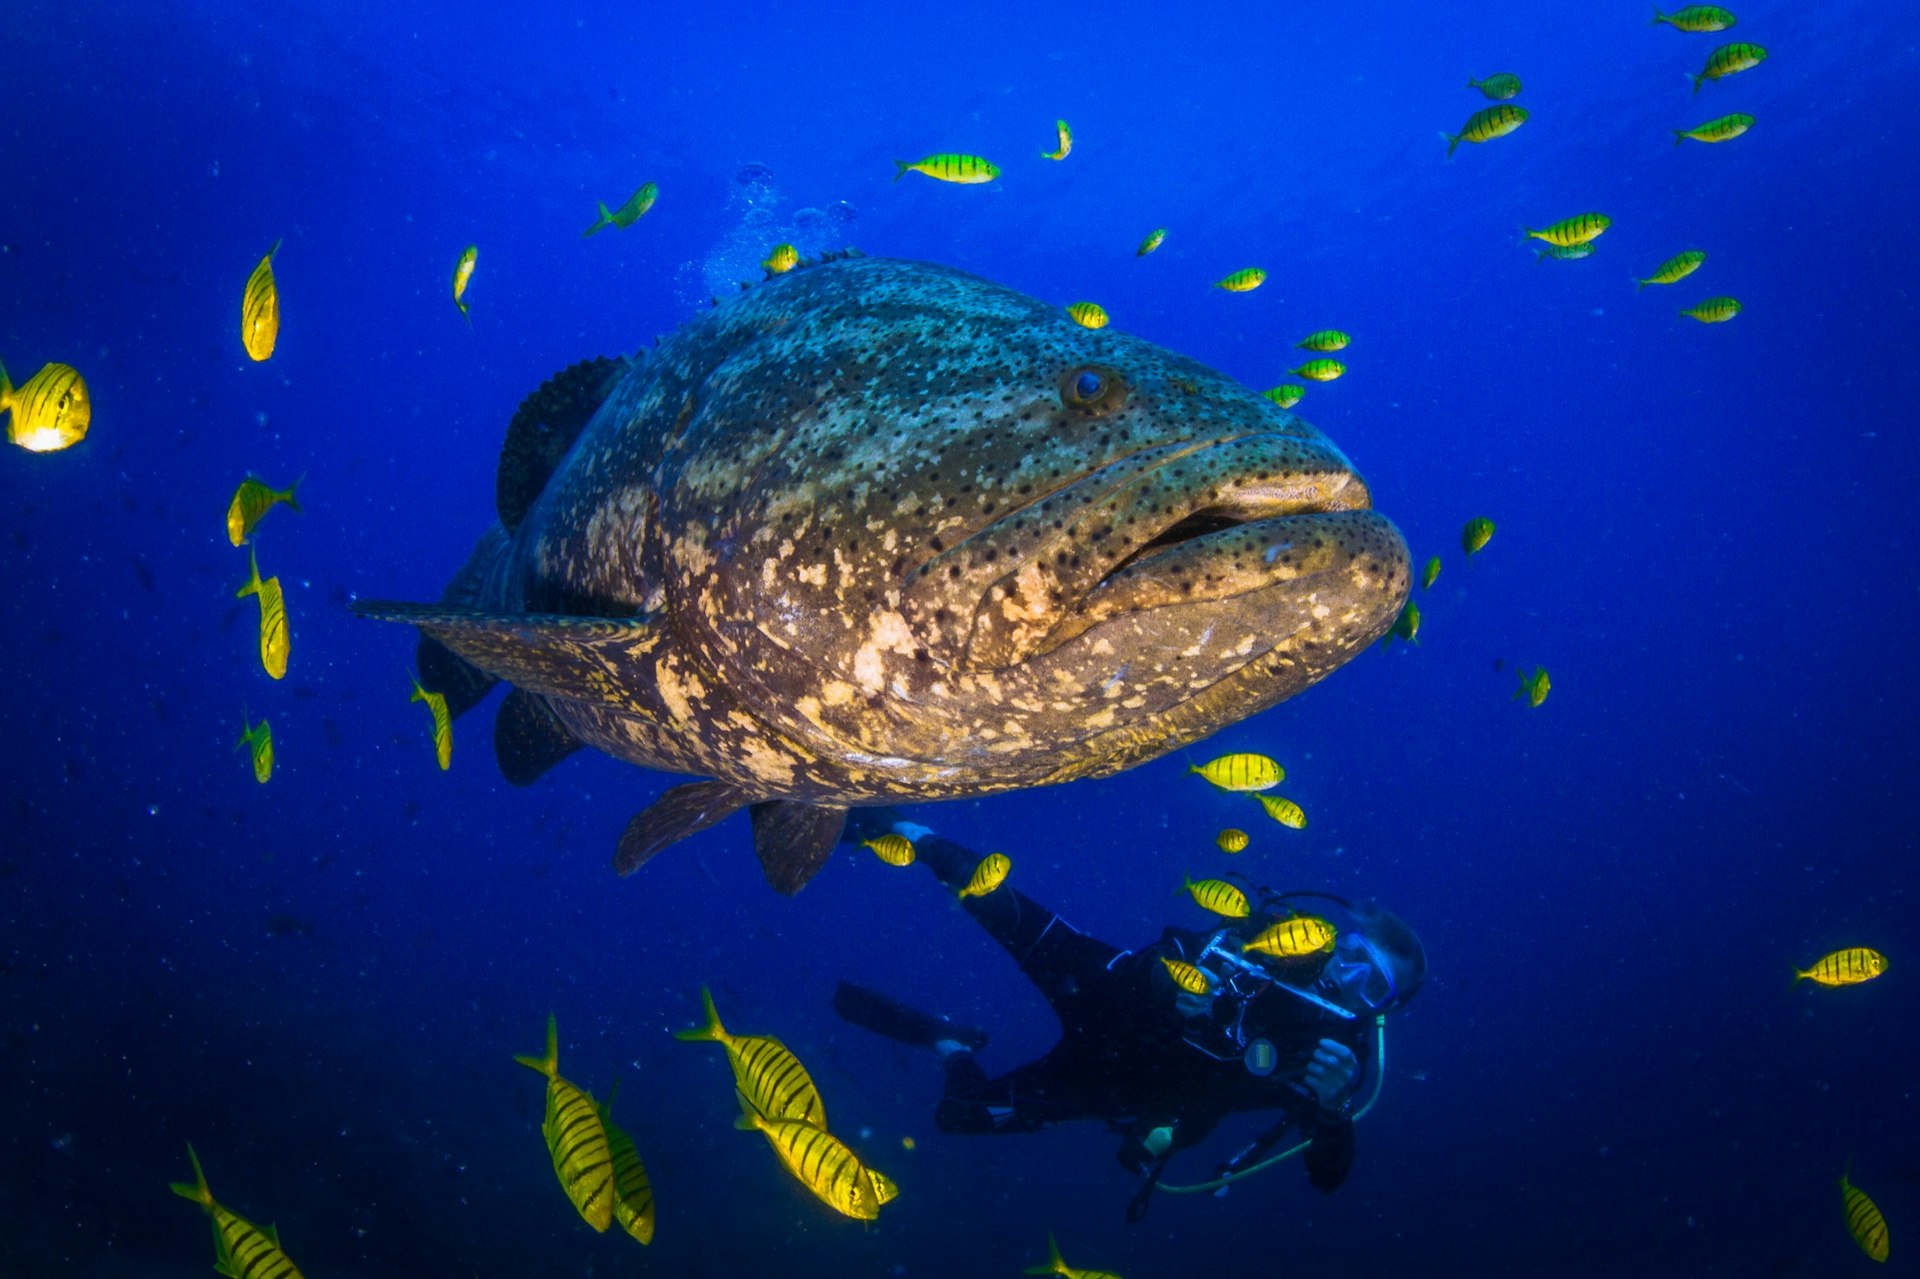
(544, 428)
(680, 812)
(528, 738)
(441, 671)
(794, 840)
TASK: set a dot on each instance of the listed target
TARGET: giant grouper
(879, 531)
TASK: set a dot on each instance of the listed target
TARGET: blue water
(1705, 533)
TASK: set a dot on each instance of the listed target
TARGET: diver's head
(1379, 964)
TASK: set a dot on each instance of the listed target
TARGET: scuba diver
(1159, 1064)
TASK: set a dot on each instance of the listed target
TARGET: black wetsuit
(1128, 1055)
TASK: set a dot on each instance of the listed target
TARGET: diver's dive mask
(1362, 974)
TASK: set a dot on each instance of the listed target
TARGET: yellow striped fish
(1574, 230)
(1847, 967)
(1218, 896)
(1286, 395)
(274, 644)
(1713, 310)
(1186, 976)
(1534, 686)
(818, 1160)
(893, 849)
(1065, 136)
(1056, 1266)
(627, 214)
(241, 1249)
(1430, 574)
(1231, 840)
(1499, 87)
(884, 1189)
(258, 738)
(50, 411)
(632, 1191)
(1284, 811)
(250, 504)
(462, 276)
(260, 309)
(947, 166)
(576, 1137)
(1241, 772)
(442, 721)
(770, 1077)
(1243, 281)
(1476, 533)
(1486, 124)
(1565, 252)
(1729, 59)
(1696, 18)
(1292, 938)
(1152, 242)
(1678, 267)
(1324, 340)
(1088, 315)
(1864, 1222)
(783, 259)
(988, 875)
(1405, 627)
(1724, 129)
(1319, 370)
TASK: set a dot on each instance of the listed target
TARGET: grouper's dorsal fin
(680, 812)
(528, 738)
(794, 840)
(544, 428)
(582, 659)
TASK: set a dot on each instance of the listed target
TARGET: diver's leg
(1023, 1100)
(884, 1015)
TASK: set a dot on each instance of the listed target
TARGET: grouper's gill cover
(879, 531)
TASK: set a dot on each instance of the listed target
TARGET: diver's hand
(1333, 1074)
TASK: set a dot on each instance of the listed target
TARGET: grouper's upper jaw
(1197, 522)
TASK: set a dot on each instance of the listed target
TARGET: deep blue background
(1707, 534)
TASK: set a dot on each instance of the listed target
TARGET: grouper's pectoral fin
(682, 811)
(528, 738)
(794, 840)
(583, 659)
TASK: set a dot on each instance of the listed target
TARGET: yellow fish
(1152, 242)
(1724, 129)
(1243, 281)
(764, 1072)
(1320, 370)
(1218, 896)
(1242, 772)
(632, 1190)
(1066, 142)
(627, 214)
(1476, 534)
(967, 170)
(1284, 811)
(1056, 1266)
(576, 1138)
(818, 1160)
(442, 721)
(1678, 267)
(1292, 938)
(241, 1249)
(1499, 87)
(259, 739)
(1534, 687)
(251, 502)
(1847, 967)
(1324, 340)
(1088, 315)
(884, 1189)
(1486, 124)
(1231, 840)
(1864, 1222)
(1575, 230)
(1714, 310)
(1565, 252)
(1696, 18)
(1729, 59)
(50, 411)
(462, 276)
(1430, 574)
(274, 644)
(988, 875)
(1405, 627)
(1286, 395)
(260, 309)
(893, 849)
(1186, 976)
(783, 259)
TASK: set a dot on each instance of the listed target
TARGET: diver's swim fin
(871, 1010)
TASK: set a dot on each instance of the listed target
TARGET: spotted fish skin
(879, 531)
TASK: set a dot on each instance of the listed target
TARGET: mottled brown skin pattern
(876, 524)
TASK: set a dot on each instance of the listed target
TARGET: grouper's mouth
(1178, 524)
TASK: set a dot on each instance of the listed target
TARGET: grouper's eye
(1092, 390)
